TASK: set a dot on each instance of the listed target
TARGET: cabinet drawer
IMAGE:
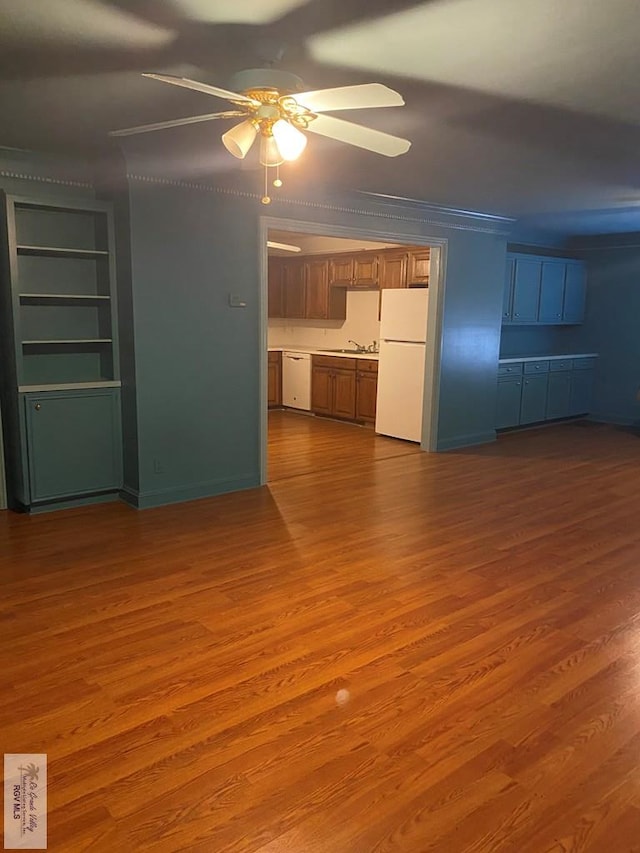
(560, 364)
(584, 363)
(334, 361)
(536, 367)
(513, 369)
(367, 366)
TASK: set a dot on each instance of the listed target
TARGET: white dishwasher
(296, 380)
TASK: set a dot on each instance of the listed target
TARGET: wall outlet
(158, 467)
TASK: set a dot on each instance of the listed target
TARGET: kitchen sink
(350, 351)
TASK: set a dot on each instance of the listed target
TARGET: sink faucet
(358, 346)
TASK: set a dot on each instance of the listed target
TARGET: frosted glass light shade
(291, 141)
(269, 152)
(240, 138)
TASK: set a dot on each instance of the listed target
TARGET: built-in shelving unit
(63, 343)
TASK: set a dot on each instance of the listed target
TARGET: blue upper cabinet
(526, 291)
(551, 292)
(543, 291)
(575, 292)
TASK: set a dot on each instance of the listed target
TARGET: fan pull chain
(278, 181)
(265, 198)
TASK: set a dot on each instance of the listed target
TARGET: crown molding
(44, 179)
(381, 207)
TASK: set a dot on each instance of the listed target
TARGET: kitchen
(347, 331)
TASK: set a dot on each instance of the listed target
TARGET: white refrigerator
(403, 335)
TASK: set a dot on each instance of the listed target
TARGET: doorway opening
(332, 382)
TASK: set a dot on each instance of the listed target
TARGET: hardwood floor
(179, 666)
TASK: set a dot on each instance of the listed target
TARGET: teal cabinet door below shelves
(73, 443)
(558, 395)
(580, 399)
(508, 402)
(534, 399)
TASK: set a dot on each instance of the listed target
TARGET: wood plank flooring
(180, 666)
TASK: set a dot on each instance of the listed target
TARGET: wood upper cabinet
(274, 288)
(419, 266)
(365, 270)
(299, 289)
(293, 289)
(393, 269)
(359, 270)
(323, 302)
(341, 270)
(317, 286)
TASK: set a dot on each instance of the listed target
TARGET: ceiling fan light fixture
(270, 154)
(291, 141)
(240, 138)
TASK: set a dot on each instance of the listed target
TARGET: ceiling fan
(275, 110)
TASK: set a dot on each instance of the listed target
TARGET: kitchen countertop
(514, 359)
(370, 356)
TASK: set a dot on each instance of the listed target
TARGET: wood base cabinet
(366, 390)
(344, 388)
(333, 386)
(274, 379)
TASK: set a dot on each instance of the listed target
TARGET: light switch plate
(236, 301)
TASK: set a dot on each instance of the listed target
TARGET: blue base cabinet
(508, 408)
(533, 405)
(73, 444)
(543, 291)
(581, 391)
(535, 391)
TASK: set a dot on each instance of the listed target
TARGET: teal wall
(612, 325)
(197, 359)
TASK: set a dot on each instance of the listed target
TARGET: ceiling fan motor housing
(266, 78)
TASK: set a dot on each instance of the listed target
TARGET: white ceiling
(316, 244)
(514, 107)
(578, 54)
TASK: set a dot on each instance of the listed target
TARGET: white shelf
(70, 296)
(69, 386)
(69, 341)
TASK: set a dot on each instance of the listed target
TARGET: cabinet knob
(516, 314)
(37, 407)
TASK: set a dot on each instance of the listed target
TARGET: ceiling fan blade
(176, 122)
(356, 134)
(364, 96)
(234, 97)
